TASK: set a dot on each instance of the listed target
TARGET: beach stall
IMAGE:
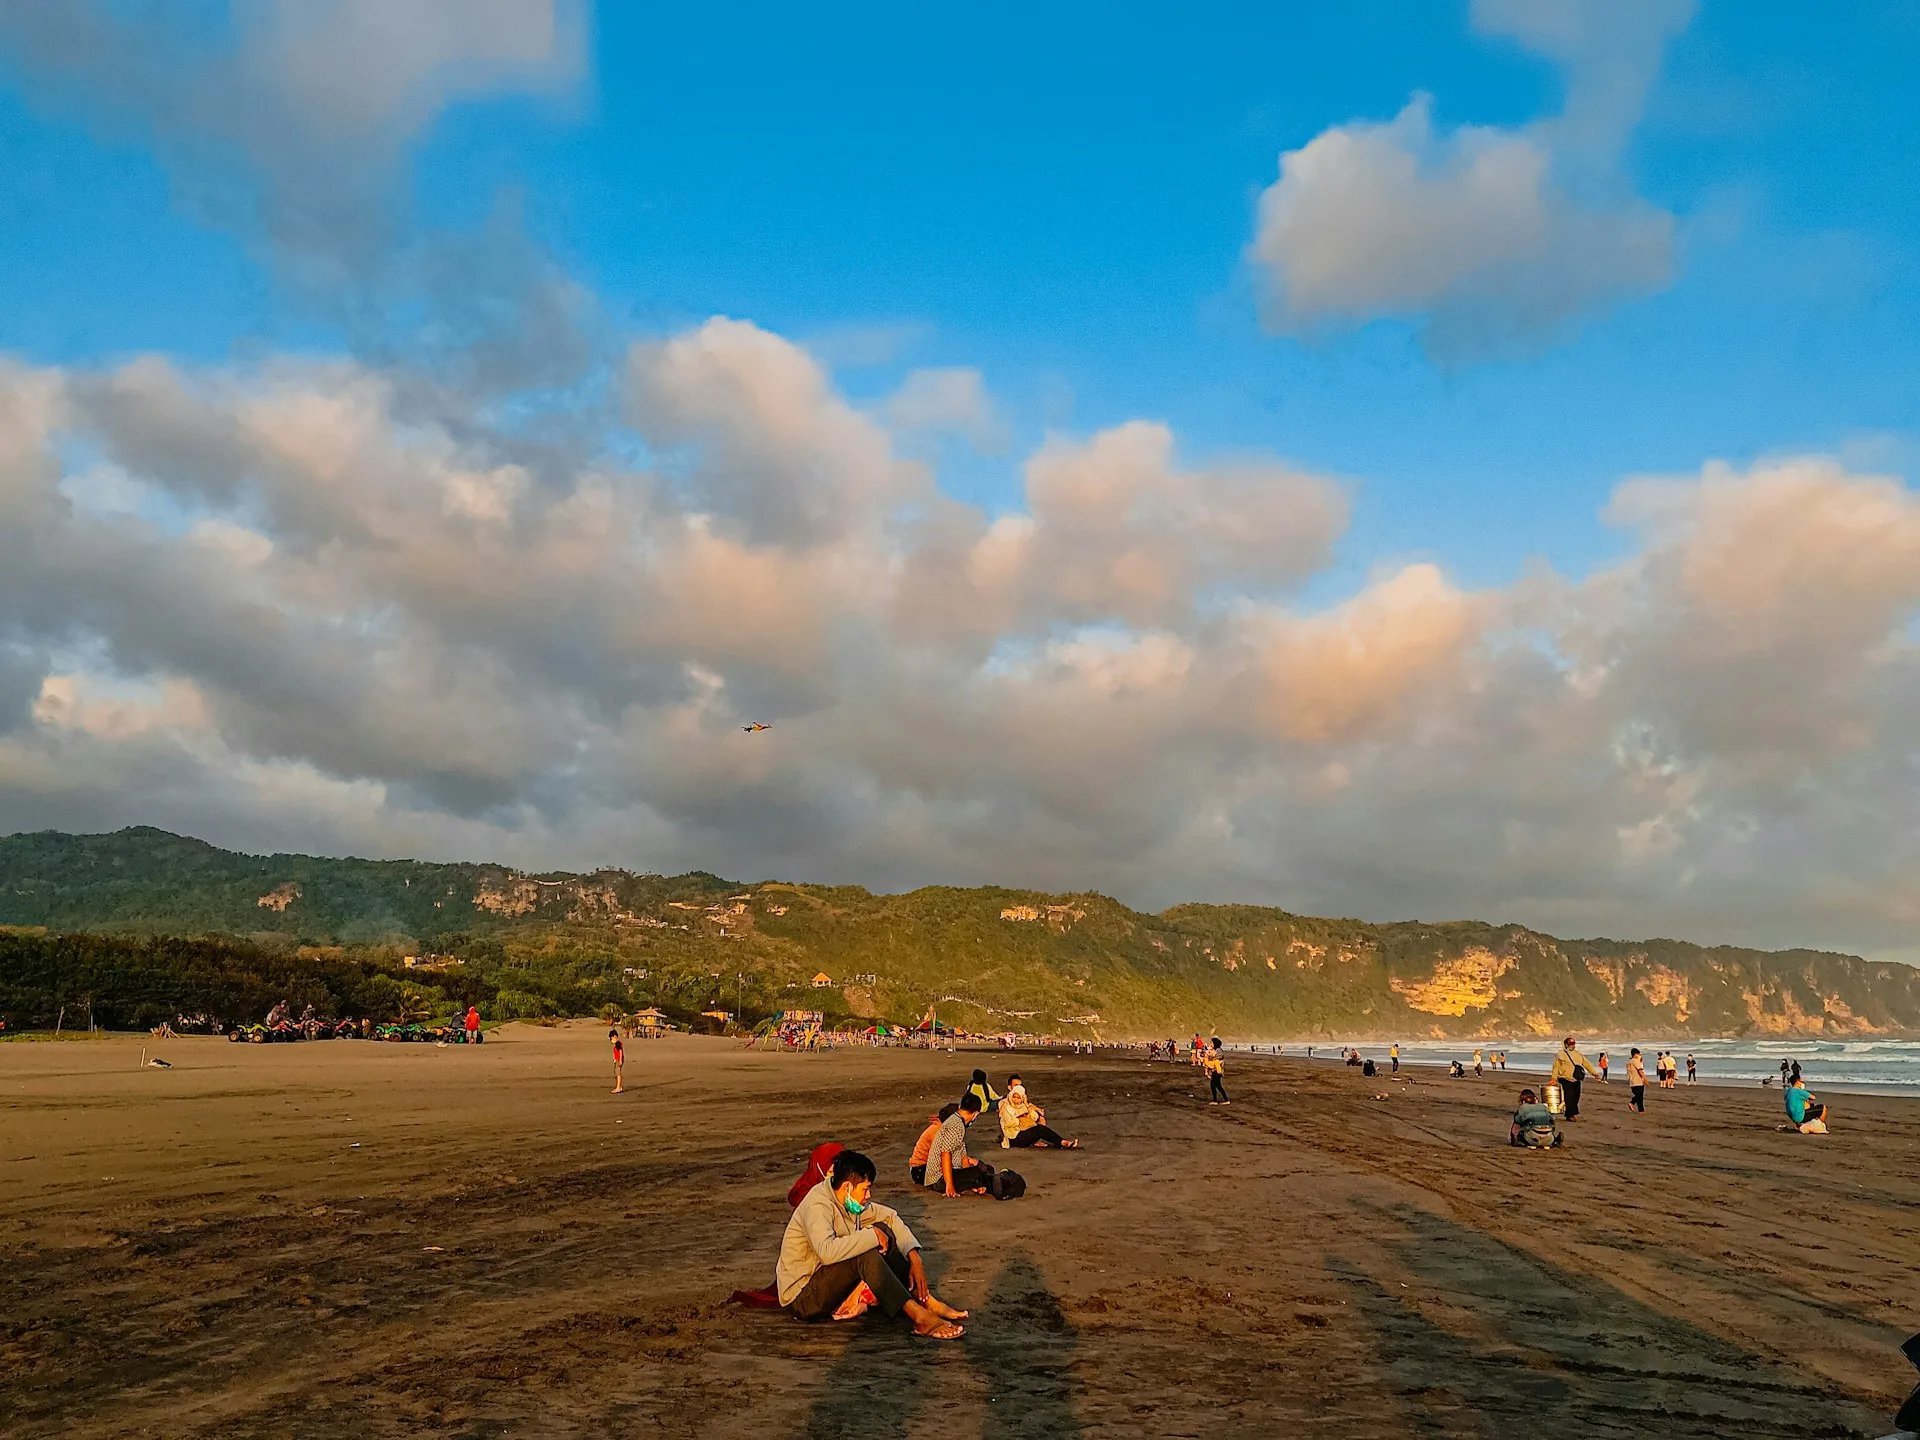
(650, 1024)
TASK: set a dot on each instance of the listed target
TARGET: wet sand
(513, 1251)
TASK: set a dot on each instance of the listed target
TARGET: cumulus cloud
(293, 115)
(1490, 239)
(309, 618)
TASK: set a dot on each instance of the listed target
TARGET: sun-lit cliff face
(988, 958)
(1456, 986)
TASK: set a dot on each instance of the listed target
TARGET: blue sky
(1191, 452)
(1063, 199)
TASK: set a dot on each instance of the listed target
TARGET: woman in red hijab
(818, 1167)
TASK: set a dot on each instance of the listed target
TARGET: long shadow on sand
(1024, 1351)
(1018, 1342)
(1531, 1348)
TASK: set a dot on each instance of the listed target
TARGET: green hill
(989, 958)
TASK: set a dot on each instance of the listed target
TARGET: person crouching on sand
(841, 1241)
(1023, 1124)
(1533, 1127)
(1570, 1067)
(1801, 1109)
(923, 1147)
(949, 1168)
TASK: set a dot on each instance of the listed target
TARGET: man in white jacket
(841, 1239)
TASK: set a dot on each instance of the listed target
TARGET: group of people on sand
(844, 1253)
(940, 1160)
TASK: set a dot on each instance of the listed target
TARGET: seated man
(840, 1239)
(1533, 1126)
(1801, 1109)
(1023, 1124)
(949, 1168)
(923, 1147)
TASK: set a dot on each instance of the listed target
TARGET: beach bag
(1556, 1100)
(1814, 1127)
(1367, 1069)
(1007, 1185)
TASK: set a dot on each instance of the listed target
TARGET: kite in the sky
(755, 726)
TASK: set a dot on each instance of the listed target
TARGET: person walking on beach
(1637, 1083)
(619, 1061)
(1691, 1076)
(1393, 1054)
(1476, 1060)
(1603, 1067)
(1216, 1069)
(1570, 1067)
(1784, 1067)
(473, 1025)
(1796, 1073)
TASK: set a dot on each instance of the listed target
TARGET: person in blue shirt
(1533, 1126)
(1800, 1104)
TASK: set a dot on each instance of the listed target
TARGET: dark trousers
(972, 1177)
(1639, 1098)
(830, 1285)
(1036, 1135)
(1215, 1090)
(1396, 1064)
(1570, 1092)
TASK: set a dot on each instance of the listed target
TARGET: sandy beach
(384, 1240)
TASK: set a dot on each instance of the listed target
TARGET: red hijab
(819, 1166)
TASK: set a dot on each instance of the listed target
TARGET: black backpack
(1008, 1185)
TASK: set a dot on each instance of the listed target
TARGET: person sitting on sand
(839, 1240)
(1533, 1126)
(923, 1147)
(949, 1168)
(1802, 1110)
(986, 1094)
(1023, 1124)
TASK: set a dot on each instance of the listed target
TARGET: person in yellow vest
(1216, 1069)
(1393, 1054)
(988, 1097)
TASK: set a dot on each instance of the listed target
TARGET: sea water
(1835, 1064)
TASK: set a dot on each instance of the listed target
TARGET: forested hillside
(990, 959)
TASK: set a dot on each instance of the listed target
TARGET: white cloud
(951, 402)
(1490, 239)
(359, 630)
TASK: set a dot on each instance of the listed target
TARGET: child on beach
(1637, 1082)
(619, 1061)
(1690, 1070)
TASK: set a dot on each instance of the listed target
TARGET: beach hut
(823, 981)
(650, 1024)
